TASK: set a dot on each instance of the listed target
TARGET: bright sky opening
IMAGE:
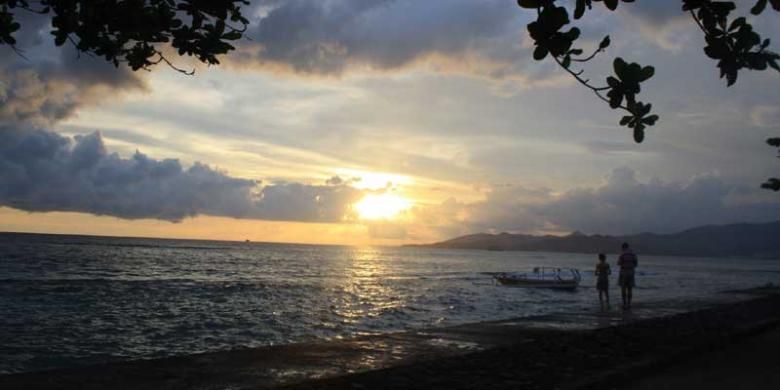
(383, 206)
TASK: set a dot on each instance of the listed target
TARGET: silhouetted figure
(602, 282)
(627, 263)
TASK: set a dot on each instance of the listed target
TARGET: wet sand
(751, 364)
(589, 349)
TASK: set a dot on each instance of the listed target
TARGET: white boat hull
(542, 277)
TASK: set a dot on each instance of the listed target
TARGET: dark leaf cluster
(735, 45)
(136, 32)
(8, 26)
(580, 6)
(551, 38)
(732, 42)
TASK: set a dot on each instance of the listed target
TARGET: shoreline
(509, 353)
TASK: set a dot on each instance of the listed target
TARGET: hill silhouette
(735, 240)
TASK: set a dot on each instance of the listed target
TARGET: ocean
(67, 301)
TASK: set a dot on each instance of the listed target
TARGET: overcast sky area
(438, 102)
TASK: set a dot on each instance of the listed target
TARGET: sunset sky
(385, 122)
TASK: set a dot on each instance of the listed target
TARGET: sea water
(68, 300)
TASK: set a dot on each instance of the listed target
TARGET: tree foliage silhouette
(731, 41)
(135, 32)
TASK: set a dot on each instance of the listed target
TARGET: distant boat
(246, 241)
(542, 277)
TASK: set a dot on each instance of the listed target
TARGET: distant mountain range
(736, 240)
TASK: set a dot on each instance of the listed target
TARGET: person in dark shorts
(602, 282)
(627, 263)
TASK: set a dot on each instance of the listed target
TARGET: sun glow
(384, 206)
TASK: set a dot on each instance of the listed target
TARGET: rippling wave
(70, 301)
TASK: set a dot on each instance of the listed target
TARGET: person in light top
(627, 263)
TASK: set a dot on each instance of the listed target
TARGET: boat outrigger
(543, 277)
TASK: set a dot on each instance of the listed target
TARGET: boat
(542, 277)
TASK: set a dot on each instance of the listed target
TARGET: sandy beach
(651, 345)
(748, 364)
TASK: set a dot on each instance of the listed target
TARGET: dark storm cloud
(45, 84)
(47, 91)
(44, 171)
(329, 36)
(306, 203)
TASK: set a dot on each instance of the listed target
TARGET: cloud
(626, 205)
(46, 91)
(661, 21)
(43, 171)
(306, 203)
(388, 230)
(622, 205)
(47, 83)
(488, 37)
(333, 36)
(765, 116)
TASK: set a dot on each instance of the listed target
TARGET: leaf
(625, 120)
(759, 7)
(639, 133)
(774, 65)
(644, 109)
(737, 23)
(579, 10)
(604, 43)
(650, 120)
(615, 97)
(620, 66)
(566, 61)
(59, 40)
(647, 72)
(772, 184)
(611, 4)
(232, 36)
(573, 34)
(531, 3)
(540, 52)
(633, 73)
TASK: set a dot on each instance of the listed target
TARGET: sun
(384, 206)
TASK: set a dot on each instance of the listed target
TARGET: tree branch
(596, 90)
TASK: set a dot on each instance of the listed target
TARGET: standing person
(602, 283)
(627, 263)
